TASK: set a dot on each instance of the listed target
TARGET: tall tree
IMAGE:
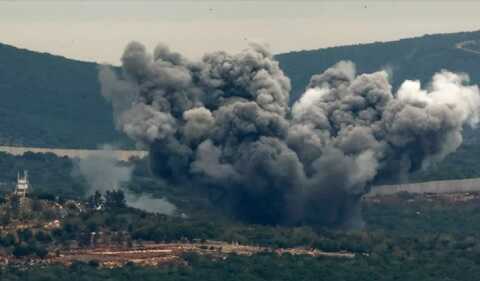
(115, 199)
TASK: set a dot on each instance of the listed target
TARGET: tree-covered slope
(413, 58)
(50, 101)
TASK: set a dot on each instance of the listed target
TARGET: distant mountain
(53, 101)
(413, 58)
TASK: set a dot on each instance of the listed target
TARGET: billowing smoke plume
(103, 172)
(225, 123)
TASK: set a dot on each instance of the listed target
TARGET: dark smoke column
(224, 123)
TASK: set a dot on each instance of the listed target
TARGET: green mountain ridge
(52, 101)
(415, 58)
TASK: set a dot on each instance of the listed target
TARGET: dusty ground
(152, 254)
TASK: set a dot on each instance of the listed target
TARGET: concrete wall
(447, 186)
(122, 155)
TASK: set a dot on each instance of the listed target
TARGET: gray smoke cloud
(150, 204)
(103, 172)
(224, 122)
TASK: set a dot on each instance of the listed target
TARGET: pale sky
(99, 30)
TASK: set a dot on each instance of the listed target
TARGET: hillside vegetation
(414, 58)
(51, 101)
(406, 237)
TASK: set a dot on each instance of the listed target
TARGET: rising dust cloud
(103, 172)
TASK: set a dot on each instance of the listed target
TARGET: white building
(22, 185)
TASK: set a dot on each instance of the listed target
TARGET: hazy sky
(99, 30)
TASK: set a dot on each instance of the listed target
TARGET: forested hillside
(52, 101)
(413, 58)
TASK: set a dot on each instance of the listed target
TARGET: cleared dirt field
(152, 254)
